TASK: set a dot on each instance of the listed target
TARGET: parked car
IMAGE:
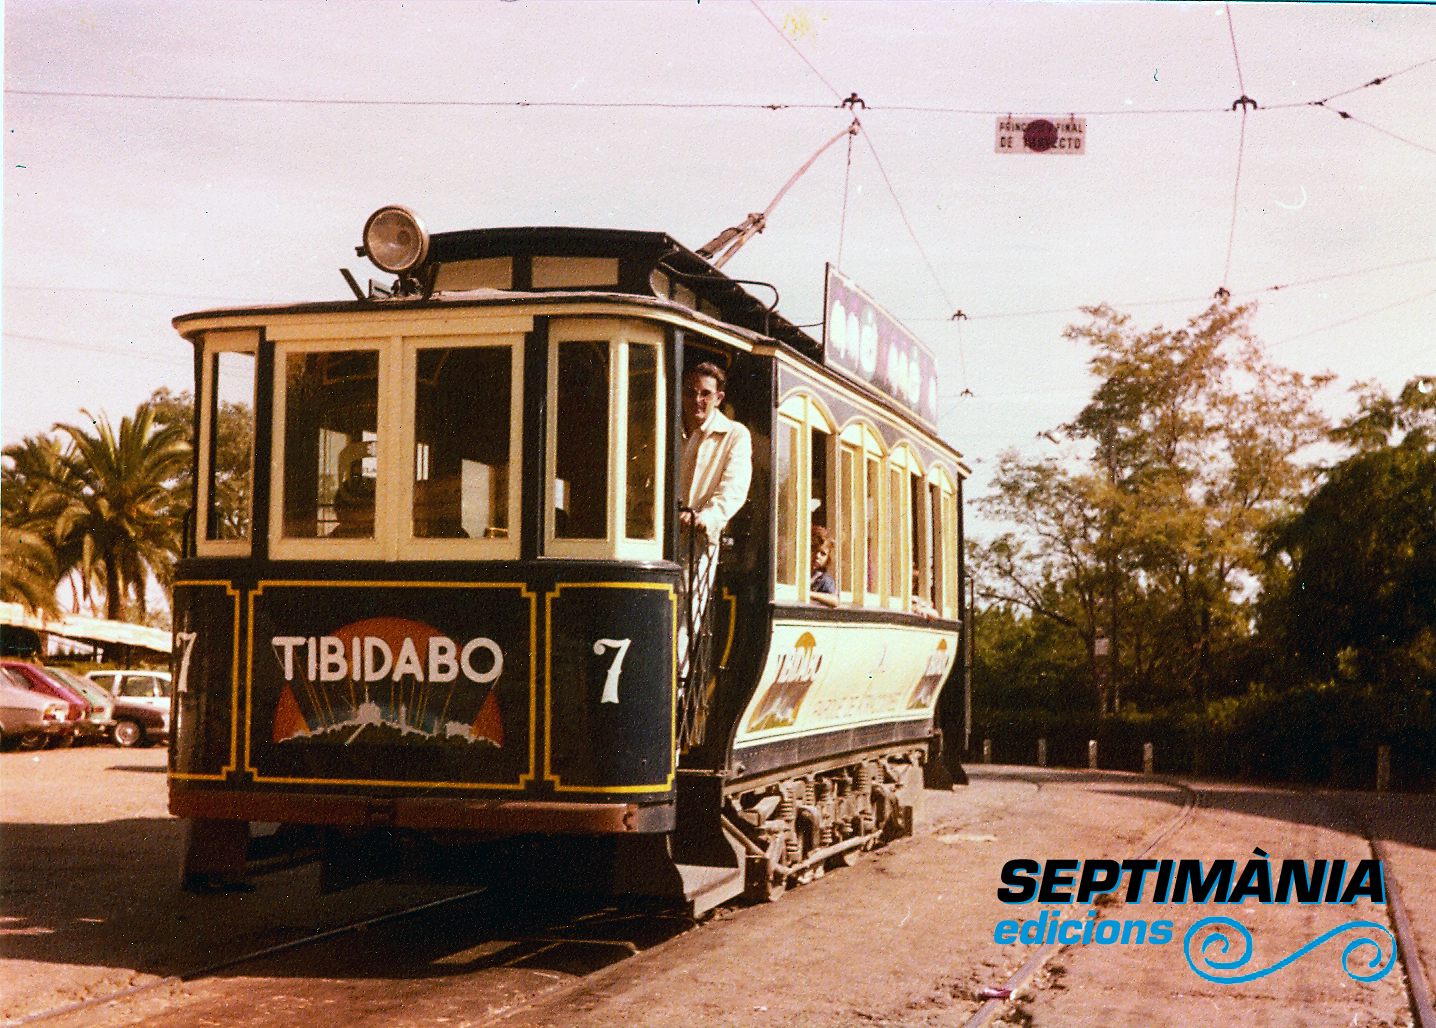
(142, 705)
(101, 719)
(37, 680)
(27, 718)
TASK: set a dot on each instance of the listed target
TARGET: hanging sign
(1046, 134)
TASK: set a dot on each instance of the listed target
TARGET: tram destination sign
(1042, 134)
(868, 343)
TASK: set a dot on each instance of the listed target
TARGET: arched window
(941, 589)
(802, 479)
(865, 536)
(903, 500)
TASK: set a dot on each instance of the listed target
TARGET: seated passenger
(354, 509)
(821, 586)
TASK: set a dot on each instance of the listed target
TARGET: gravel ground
(903, 938)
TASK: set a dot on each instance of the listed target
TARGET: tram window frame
(415, 547)
(902, 464)
(863, 516)
(244, 341)
(619, 336)
(945, 589)
(846, 529)
(388, 454)
(812, 431)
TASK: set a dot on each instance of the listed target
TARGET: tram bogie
(455, 596)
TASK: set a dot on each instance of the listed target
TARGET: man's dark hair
(708, 370)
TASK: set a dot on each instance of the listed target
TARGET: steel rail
(210, 969)
(1019, 978)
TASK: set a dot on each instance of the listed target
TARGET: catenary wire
(942, 291)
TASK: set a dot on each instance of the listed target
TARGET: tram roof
(639, 255)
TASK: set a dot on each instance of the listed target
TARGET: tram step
(706, 887)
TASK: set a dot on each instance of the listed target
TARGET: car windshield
(92, 691)
(143, 685)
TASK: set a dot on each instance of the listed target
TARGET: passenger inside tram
(822, 588)
(354, 499)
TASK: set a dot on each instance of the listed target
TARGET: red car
(37, 680)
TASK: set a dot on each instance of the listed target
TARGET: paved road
(905, 938)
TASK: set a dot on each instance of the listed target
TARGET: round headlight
(395, 240)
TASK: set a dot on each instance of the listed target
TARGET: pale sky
(238, 147)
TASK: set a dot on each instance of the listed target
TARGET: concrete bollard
(1146, 758)
(1092, 754)
(1041, 752)
(1383, 768)
(987, 751)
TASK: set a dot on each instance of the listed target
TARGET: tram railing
(696, 669)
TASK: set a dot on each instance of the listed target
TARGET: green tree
(32, 495)
(29, 571)
(1148, 531)
(233, 457)
(117, 492)
(1353, 592)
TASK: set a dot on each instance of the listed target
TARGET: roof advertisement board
(868, 343)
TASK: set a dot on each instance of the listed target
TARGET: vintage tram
(445, 597)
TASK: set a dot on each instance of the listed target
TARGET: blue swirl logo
(1219, 938)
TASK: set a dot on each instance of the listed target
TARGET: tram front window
(462, 421)
(580, 496)
(331, 404)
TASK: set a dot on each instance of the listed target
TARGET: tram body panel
(508, 690)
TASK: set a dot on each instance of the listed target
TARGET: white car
(142, 704)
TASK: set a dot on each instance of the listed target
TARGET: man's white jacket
(715, 472)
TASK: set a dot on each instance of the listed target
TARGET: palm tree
(116, 515)
(33, 497)
(28, 574)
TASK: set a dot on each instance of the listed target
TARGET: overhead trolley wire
(1191, 299)
(1357, 317)
(1244, 102)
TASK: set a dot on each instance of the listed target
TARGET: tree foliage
(1353, 591)
(118, 503)
(1148, 528)
(233, 456)
(100, 504)
(32, 491)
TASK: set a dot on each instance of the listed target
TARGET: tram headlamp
(395, 240)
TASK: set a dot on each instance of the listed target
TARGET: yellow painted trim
(524, 778)
(233, 762)
(732, 601)
(548, 772)
(451, 317)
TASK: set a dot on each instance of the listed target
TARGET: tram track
(1418, 988)
(594, 926)
(1001, 997)
(209, 970)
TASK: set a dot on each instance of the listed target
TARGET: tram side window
(462, 421)
(642, 499)
(229, 445)
(786, 473)
(331, 406)
(939, 569)
(951, 602)
(898, 526)
(876, 551)
(580, 495)
(850, 545)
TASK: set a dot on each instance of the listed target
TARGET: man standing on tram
(713, 478)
